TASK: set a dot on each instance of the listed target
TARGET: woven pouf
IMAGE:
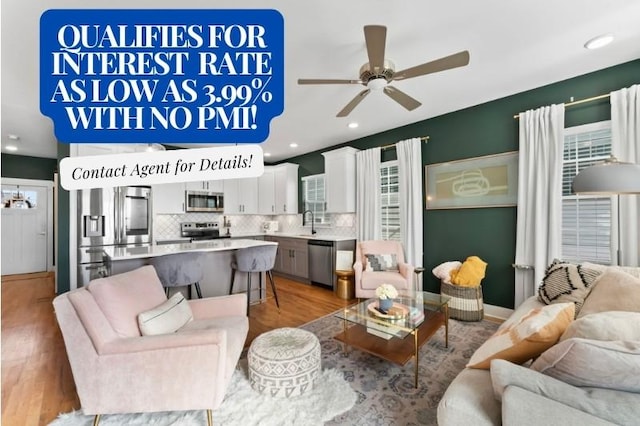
(284, 362)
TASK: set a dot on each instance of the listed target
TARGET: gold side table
(345, 288)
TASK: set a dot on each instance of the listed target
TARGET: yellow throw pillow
(527, 338)
(471, 272)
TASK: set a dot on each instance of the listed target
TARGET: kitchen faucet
(304, 213)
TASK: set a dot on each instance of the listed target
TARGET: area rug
(243, 406)
(383, 392)
(386, 395)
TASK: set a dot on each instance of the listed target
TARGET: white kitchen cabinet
(340, 180)
(168, 198)
(241, 196)
(267, 192)
(206, 185)
(286, 188)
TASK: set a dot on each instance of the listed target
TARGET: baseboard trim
(497, 312)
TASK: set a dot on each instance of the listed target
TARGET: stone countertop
(304, 236)
(143, 252)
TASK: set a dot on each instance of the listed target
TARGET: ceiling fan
(379, 72)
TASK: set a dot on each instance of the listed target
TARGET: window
(586, 220)
(389, 201)
(314, 199)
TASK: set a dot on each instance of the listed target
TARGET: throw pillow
(610, 325)
(527, 338)
(471, 272)
(381, 262)
(443, 270)
(631, 270)
(166, 318)
(614, 291)
(567, 282)
(594, 363)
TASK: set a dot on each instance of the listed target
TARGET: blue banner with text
(140, 76)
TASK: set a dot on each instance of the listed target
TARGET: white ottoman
(284, 362)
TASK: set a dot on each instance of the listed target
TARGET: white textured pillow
(610, 325)
(613, 291)
(593, 363)
(443, 270)
(166, 318)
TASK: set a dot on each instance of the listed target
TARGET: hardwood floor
(37, 383)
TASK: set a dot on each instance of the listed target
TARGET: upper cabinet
(278, 189)
(286, 188)
(206, 185)
(241, 196)
(168, 198)
(340, 180)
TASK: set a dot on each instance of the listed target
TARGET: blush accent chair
(117, 370)
(366, 281)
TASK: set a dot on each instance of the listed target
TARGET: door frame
(49, 186)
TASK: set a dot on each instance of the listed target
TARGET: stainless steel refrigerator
(119, 216)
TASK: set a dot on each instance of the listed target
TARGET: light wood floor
(37, 383)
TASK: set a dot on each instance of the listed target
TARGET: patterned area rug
(386, 395)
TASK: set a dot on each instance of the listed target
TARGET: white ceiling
(514, 46)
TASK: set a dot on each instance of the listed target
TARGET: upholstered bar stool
(255, 259)
(179, 270)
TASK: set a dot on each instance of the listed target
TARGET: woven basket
(466, 302)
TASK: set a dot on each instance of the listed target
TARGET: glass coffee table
(385, 336)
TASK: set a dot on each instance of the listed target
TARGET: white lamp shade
(611, 177)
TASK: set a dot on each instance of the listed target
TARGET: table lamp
(609, 178)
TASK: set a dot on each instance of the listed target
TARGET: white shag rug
(243, 406)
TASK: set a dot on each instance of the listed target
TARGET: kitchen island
(215, 260)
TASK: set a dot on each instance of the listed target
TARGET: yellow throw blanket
(470, 273)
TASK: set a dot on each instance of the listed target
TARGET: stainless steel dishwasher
(321, 260)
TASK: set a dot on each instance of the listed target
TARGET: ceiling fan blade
(354, 103)
(326, 81)
(402, 98)
(456, 60)
(375, 37)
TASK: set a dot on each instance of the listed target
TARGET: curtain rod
(393, 145)
(582, 101)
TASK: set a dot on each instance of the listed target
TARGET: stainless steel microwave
(204, 201)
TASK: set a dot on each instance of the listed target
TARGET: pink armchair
(117, 370)
(366, 281)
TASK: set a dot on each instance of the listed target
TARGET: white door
(24, 229)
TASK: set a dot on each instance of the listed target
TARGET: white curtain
(368, 194)
(410, 188)
(539, 222)
(625, 145)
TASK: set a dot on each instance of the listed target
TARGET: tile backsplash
(167, 226)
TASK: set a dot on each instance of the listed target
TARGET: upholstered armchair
(379, 268)
(118, 370)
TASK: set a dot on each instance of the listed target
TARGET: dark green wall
(63, 229)
(483, 130)
(25, 167)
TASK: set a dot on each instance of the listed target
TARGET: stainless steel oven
(204, 201)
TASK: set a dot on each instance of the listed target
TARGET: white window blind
(389, 201)
(586, 220)
(313, 193)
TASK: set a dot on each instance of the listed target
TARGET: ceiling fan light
(377, 84)
(154, 147)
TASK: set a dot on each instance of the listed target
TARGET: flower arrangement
(386, 291)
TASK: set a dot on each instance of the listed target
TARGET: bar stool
(255, 259)
(179, 270)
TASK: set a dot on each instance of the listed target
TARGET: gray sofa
(599, 385)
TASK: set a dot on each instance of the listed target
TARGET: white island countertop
(143, 252)
(303, 236)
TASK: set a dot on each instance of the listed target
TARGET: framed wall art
(489, 181)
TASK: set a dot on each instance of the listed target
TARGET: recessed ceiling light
(293, 145)
(598, 42)
(353, 125)
(267, 154)
(11, 148)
